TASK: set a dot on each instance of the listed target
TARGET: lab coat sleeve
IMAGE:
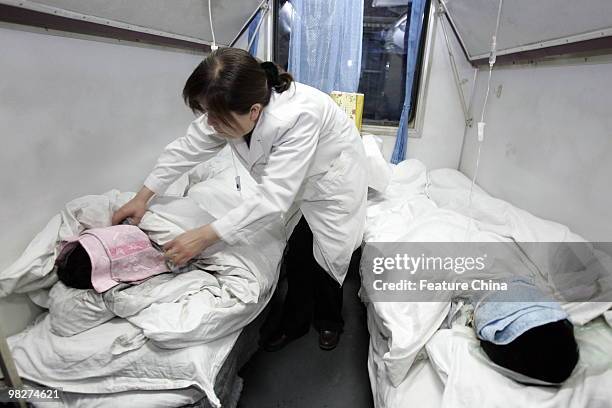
(199, 144)
(282, 178)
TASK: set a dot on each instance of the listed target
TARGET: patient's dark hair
(232, 80)
(74, 269)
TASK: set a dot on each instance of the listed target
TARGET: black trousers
(313, 296)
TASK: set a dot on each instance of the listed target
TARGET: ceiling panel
(528, 24)
(185, 17)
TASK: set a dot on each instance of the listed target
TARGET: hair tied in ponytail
(271, 73)
(232, 80)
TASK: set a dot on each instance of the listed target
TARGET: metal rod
(7, 366)
(212, 29)
(261, 20)
(271, 31)
(472, 91)
(454, 67)
(246, 25)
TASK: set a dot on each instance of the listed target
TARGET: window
(383, 64)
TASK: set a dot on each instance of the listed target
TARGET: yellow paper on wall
(351, 103)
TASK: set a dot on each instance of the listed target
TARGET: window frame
(419, 89)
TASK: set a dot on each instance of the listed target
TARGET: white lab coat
(306, 155)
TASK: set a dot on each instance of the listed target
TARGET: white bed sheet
(420, 387)
(132, 399)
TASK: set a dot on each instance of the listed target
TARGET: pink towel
(121, 253)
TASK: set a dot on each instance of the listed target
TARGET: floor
(303, 376)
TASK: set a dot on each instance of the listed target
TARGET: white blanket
(449, 189)
(175, 330)
(404, 327)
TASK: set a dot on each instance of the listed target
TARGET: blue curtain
(414, 39)
(252, 27)
(325, 44)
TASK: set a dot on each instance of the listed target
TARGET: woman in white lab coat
(308, 160)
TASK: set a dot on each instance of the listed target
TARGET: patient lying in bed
(423, 207)
(171, 331)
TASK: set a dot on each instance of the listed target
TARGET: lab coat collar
(252, 154)
(257, 150)
(242, 150)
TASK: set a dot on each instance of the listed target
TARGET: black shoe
(277, 342)
(328, 339)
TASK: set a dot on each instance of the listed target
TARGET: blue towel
(500, 318)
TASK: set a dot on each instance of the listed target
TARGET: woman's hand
(190, 244)
(135, 208)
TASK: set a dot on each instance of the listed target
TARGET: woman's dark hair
(232, 80)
